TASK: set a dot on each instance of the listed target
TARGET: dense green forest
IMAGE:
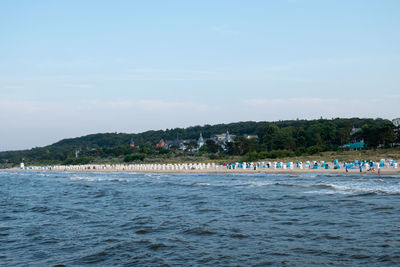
(276, 139)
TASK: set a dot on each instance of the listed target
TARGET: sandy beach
(222, 170)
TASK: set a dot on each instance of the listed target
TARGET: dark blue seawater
(129, 219)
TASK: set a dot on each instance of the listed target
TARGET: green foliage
(162, 151)
(210, 147)
(135, 157)
(375, 134)
(191, 145)
(77, 161)
(314, 149)
(251, 156)
(241, 146)
(274, 154)
(297, 137)
(148, 148)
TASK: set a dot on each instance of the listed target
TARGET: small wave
(257, 184)
(40, 209)
(89, 179)
(157, 246)
(307, 207)
(325, 192)
(239, 236)
(360, 256)
(332, 237)
(198, 231)
(362, 190)
(141, 232)
(209, 210)
(200, 184)
(242, 215)
(365, 194)
(95, 257)
(153, 175)
(383, 208)
(92, 179)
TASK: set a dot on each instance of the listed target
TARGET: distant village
(223, 139)
(193, 146)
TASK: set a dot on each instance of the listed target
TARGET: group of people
(357, 164)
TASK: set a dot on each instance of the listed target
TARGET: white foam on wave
(153, 175)
(201, 184)
(93, 179)
(42, 174)
(362, 188)
(256, 184)
(89, 179)
(327, 192)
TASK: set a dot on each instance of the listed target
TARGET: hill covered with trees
(275, 139)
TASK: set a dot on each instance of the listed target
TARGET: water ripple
(146, 219)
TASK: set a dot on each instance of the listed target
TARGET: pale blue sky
(70, 68)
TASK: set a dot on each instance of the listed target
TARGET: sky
(71, 68)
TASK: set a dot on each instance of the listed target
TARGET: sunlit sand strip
(383, 167)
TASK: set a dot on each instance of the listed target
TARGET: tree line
(275, 139)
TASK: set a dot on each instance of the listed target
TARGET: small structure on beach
(353, 146)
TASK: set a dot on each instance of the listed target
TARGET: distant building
(396, 122)
(223, 139)
(132, 144)
(179, 144)
(353, 146)
(218, 137)
(354, 130)
(161, 143)
(251, 137)
(200, 141)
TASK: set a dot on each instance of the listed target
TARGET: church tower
(200, 141)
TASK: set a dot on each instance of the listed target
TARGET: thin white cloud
(79, 86)
(156, 74)
(164, 105)
(169, 71)
(148, 105)
(291, 101)
(13, 87)
(8, 108)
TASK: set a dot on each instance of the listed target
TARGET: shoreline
(383, 171)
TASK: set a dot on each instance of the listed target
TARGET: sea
(153, 219)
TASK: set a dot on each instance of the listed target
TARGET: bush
(264, 155)
(299, 151)
(314, 150)
(213, 156)
(134, 157)
(252, 156)
(77, 161)
(283, 153)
